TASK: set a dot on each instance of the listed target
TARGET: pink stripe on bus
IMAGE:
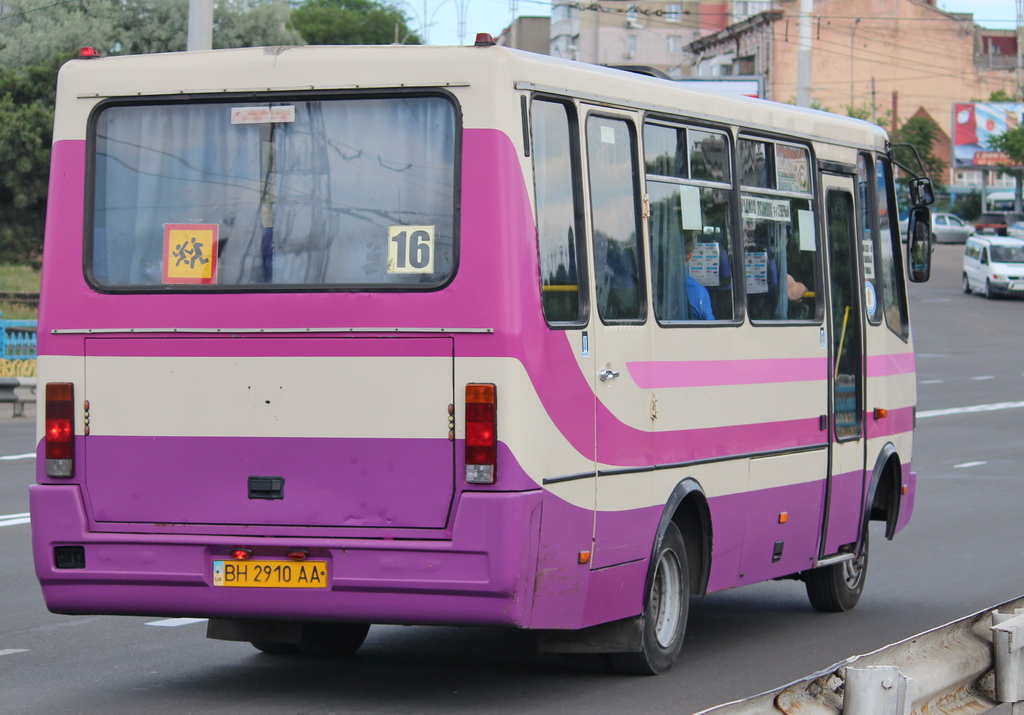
(707, 373)
(886, 365)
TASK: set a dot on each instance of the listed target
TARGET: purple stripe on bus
(707, 373)
(845, 512)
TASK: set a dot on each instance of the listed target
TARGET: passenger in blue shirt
(697, 296)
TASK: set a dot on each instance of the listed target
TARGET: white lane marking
(967, 465)
(974, 408)
(14, 519)
(984, 377)
(932, 382)
(175, 622)
(12, 651)
(11, 457)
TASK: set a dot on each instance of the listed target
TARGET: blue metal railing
(17, 347)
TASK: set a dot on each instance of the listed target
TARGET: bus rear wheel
(838, 587)
(665, 612)
(332, 640)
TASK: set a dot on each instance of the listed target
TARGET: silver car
(946, 228)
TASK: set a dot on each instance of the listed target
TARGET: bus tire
(332, 640)
(838, 587)
(665, 611)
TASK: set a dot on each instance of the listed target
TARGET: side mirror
(919, 244)
(921, 191)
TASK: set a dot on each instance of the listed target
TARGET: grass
(18, 279)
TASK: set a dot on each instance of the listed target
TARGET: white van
(994, 265)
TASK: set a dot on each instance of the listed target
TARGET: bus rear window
(341, 194)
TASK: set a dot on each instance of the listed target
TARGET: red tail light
(60, 429)
(481, 433)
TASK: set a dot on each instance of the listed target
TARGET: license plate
(1017, 286)
(270, 574)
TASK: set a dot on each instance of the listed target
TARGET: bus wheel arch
(679, 567)
(885, 491)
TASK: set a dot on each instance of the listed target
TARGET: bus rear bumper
(482, 575)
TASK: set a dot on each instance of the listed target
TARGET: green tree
(26, 121)
(36, 39)
(352, 22)
(922, 133)
(1011, 143)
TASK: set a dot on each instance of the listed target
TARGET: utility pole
(803, 58)
(200, 25)
(1020, 49)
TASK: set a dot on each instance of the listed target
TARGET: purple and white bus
(340, 336)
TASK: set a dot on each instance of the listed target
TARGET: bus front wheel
(665, 613)
(838, 587)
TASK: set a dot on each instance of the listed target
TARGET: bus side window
(618, 262)
(558, 216)
(892, 296)
(689, 224)
(780, 246)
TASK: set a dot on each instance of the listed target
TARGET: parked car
(997, 223)
(1016, 230)
(994, 265)
(946, 228)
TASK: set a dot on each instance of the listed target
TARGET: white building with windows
(654, 34)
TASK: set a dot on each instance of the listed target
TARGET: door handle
(608, 374)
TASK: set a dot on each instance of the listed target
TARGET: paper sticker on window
(704, 264)
(411, 249)
(190, 253)
(689, 199)
(755, 265)
(805, 221)
(262, 115)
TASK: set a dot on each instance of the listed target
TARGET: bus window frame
(630, 120)
(815, 199)
(899, 260)
(737, 289)
(271, 96)
(583, 269)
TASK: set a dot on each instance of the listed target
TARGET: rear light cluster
(481, 433)
(60, 429)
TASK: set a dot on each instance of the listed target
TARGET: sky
(493, 16)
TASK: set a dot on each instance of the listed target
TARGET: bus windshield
(354, 193)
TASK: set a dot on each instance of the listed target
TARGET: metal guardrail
(20, 298)
(18, 391)
(971, 665)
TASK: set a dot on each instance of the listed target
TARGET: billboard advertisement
(975, 123)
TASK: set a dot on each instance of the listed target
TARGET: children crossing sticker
(190, 253)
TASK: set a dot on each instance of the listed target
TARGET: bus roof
(324, 67)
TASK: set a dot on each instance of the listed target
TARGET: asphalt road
(960, 554)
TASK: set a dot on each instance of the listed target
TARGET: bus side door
(620, 333)
(844, 496)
